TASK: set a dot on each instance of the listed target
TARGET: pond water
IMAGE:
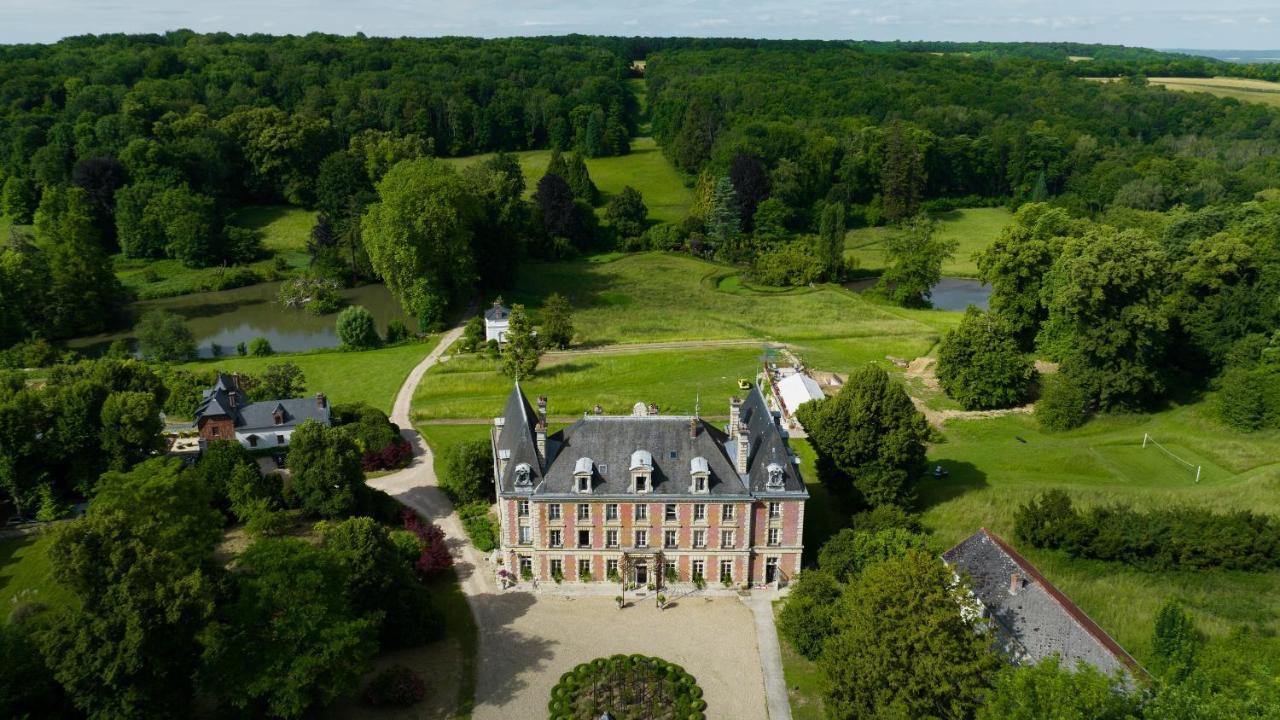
(228, 317)
(951, 293)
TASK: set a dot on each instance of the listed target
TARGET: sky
(1233, 24)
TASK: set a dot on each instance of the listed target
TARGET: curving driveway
(527, 639)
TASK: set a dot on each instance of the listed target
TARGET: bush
(260, 347)
(1159, 539)
(808, 617)
(397, 686)
(479, 525)
(396, 332)
(165, 336)
(1063, 405)
(793, 263)
(356, 329)
(1242, 399)
(232, 278)
(468, 472)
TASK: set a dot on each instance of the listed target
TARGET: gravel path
(527, 640)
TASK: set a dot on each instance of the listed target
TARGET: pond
(951, 293)
(228, 317)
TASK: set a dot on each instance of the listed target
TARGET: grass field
(371, 376)
(654, 297)
(472, 387)
(1243, 89)
(284, 232)
(25, 566)
(973, 228)
(998, 464)
(646, 169)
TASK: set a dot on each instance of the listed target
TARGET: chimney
(235, 381)
(231, 397)
(322, 402)
(693, 428)
(744, 448)
(541, 435)
(1015, 583)
(542, 409)
(735, 407)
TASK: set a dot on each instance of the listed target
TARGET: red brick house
(226, 414)
(643, 496)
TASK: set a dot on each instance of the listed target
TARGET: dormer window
(641, 471)
(278, 417)
(582, 472)
(777, 480)
(700, 476)
(524, 476)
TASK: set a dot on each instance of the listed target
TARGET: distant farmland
(1243, 89)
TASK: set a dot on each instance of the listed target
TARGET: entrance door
(642, 574)
(770, 570)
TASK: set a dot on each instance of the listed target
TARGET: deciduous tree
(557, 321)
(980, 365)
(521, 352)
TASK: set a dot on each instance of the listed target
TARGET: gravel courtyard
(527, 641)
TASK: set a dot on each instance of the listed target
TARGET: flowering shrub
(435, 557)
(391, 457)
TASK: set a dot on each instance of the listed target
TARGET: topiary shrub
(627, 686)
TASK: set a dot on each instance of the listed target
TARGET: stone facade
(676, 499)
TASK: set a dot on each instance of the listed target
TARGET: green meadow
(27, 572)
(657, 297)
(370, 376)
(972, 228)
(645, 168)
(284, 232)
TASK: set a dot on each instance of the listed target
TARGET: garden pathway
(526, 640)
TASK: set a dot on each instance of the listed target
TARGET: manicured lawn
(284, 232)
(372, 376)
(998, 464)
(645, 168)
(824, 514)
(472, 387)
(443, 437)
(973, 228)
(25, 566)
(653, 297)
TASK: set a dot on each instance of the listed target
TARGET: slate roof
(497, 313)
(1036, 621)
(613, 443)
(218, 401)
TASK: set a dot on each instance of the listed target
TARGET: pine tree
(557, 323)
(556, 165)
(580, 180)
(902, 175)
(521, 353)
(724, 226)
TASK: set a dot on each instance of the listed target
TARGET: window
(522, 508)
(699, 538)
(584, 483)
(699, 569)
(279, 439)
(611, 538)
(526, 565)
(775, 536)
(253, 440)
(642, 538)
(726, 538)
(213, 430)
(670, 512)
(775, 510)
(584, 511)
(556, 538)
(584, 538)
(611, 511)
(699, 512)
(726, 512)
(584, 568)
(642, 483)
(700, 484)
(669, 539)
(526, 535)
(553, 511)
(669, 570)
(557, 568)
(642, 512)
(726, 571)
(610, 568)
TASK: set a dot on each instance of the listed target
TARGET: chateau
(646, 497)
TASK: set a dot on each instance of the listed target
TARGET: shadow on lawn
(962, 477)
